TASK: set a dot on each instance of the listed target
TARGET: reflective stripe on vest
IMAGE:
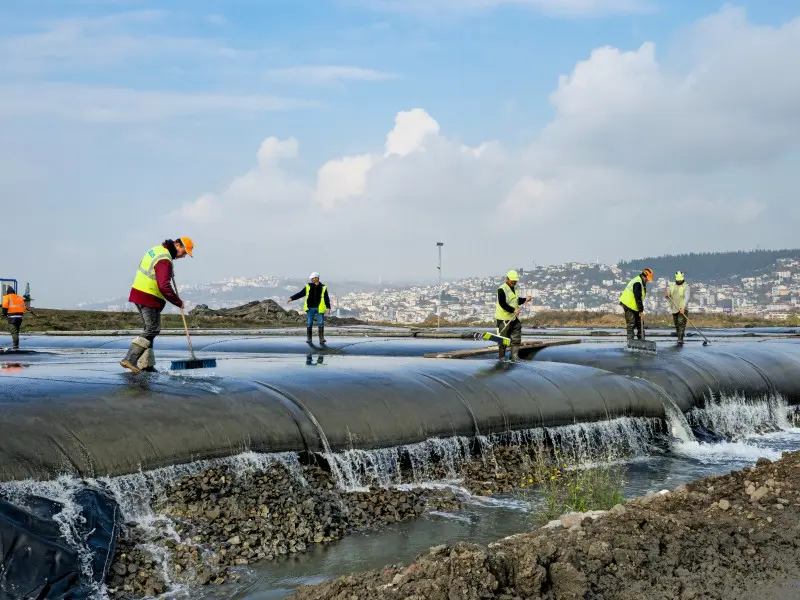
(322, 306)
(627, 298)
(145, 280)
(14, 303)
(511, 299)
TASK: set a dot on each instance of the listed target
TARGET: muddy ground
(723, 537)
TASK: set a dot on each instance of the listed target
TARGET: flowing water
(656, 456)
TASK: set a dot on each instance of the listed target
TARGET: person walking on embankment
(506, 315)
(677, 295)
(13, 311)
(316, 305)
(632, 302)
(151, 290)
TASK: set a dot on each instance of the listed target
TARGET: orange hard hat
(649, 274)
(188, 244)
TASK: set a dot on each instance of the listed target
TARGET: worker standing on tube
(151, 290)
(632, 302)
(316, 305)
(677, 296)
(13, 311)
(507, 315)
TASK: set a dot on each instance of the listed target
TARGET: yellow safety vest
(145, 280)
(627, 298)
(511, 299)
(322, 306)
(673, 305)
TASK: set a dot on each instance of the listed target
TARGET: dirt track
(725, 537)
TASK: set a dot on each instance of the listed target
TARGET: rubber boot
(308, 334)
(322, 334)
(147, 362)
(131, 360)
(514, 353)
(501, 352)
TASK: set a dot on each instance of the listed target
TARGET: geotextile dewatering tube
(90, 419)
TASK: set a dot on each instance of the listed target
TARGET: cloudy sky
(349, 136)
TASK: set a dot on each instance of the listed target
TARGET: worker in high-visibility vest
(677, 296)
(150, 292)
(632, 302)
(506, 314)
(317, 302)
(13, 311)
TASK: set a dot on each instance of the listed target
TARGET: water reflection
(310, 359)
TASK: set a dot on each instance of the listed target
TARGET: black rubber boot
(514, 353)
(308, 334)
(322, 334)
(134, 354)
(501, 352)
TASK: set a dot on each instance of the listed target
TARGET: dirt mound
(268, 311)
(724, 537)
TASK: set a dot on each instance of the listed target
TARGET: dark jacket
(637, 294)
(314, 294)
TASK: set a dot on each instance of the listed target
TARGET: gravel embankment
(216, 519)
(726, 537)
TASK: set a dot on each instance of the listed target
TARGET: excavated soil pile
(267, 311)
(725, 537)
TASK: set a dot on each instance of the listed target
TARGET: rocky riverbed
(724, 537)
(216, 520)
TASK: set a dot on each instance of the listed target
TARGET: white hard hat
(314, 274)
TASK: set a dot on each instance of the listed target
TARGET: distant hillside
(713, 266)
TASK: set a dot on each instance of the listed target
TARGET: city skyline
(351, 138)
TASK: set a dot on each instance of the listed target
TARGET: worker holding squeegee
(507, 314)
(152, 288)
(632, 302)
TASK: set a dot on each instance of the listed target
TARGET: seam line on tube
(302, 408)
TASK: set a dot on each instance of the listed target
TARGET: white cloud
(555, 8)
(645, 154)
(328, 73)
(98, 104)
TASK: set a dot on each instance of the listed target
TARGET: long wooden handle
(185, 326)
(188, 337)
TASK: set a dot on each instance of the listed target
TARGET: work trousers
(633, 323)
(514, 332)
(151, 322)
(14, 325)
(680, 324)
(313, 313)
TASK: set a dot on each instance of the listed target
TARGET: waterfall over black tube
(93, 420)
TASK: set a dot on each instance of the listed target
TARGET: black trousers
(14, 325)
(514, 332)
(633, 323)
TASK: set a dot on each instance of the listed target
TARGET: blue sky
(125, 122)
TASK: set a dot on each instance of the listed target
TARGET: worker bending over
(13, 311)
(316, 305)
(507, 313)
(151, 290)
(632, 301)
(677, 296)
